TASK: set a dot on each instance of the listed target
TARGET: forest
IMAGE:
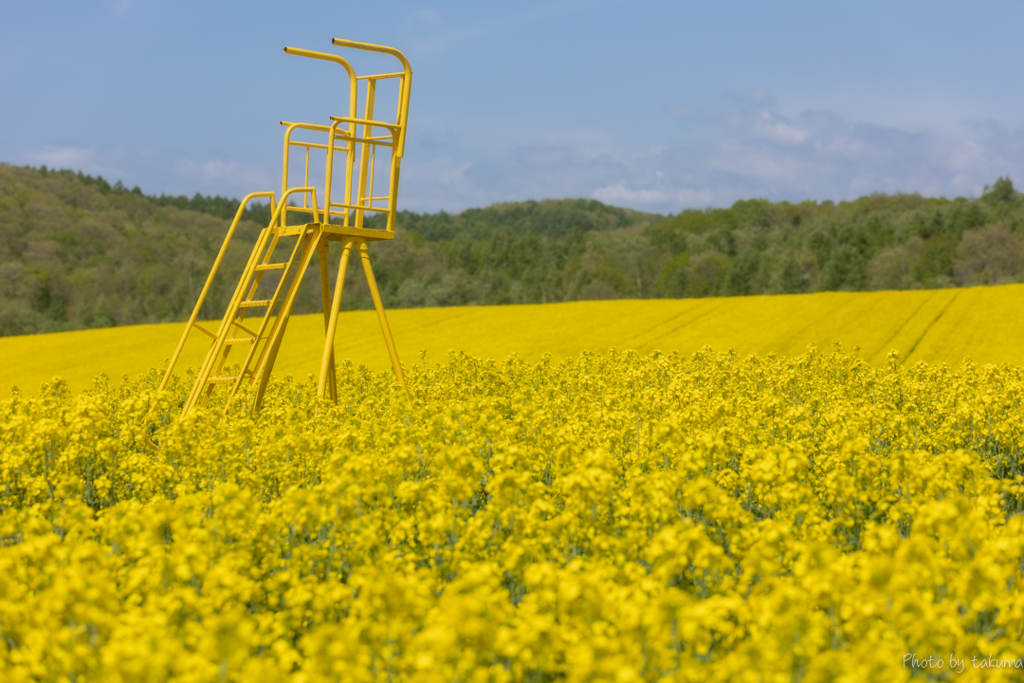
(79, 252)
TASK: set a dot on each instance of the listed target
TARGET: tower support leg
(325, 295)
(327, 360)
(364, 256)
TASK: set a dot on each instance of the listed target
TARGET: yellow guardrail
(354, 140)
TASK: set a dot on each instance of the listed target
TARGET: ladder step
(255, 303)
(204, 330)
(221, 380)
(271, 266)
(233, 341)
(245, 328)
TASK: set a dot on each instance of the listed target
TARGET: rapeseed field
(712, 516)
(936, 326)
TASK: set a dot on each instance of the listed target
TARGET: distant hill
(77, 252)
(548, 218)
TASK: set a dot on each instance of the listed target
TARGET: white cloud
(966, 156)
(770, 127)
(843, 145)
(88, 159)
(242, 178)
(766, 165)
(61, 157)
(443, 170)
(740, 153)
(619, 194)
(712, 158)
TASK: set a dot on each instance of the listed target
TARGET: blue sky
(657, 106)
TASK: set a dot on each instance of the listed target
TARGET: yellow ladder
(233, 330)
(364, 147)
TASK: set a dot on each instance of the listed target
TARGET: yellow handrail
(343, 129)
(403, 101)
(337, 59)
(347, 133)
(213, 272)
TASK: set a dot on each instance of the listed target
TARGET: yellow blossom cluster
(611, 517)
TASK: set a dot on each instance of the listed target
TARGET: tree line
(77, 251)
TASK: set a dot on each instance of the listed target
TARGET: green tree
(1001, 191)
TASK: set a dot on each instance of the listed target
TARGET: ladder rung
(246, 328)
(221, 380)
(254, 304)
(233, 341)
(204, 330)
(271, 266)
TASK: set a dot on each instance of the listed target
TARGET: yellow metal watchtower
(367, 148)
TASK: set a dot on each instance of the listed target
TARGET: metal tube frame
(209, 282)
(349, 136)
